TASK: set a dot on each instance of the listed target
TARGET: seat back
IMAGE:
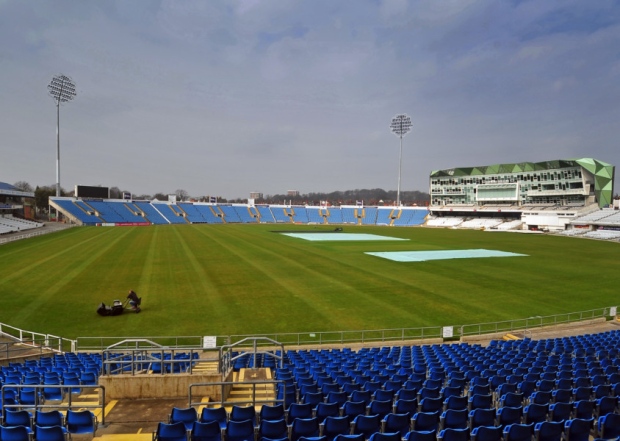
(14, 433)
(185, 415)
(81, 422)
(206, 431)
(549, 431)
(272, 429)
(304, 427)
(50, 418)
(171, 432)
(519, 432)
(49, 433)
(486, 433)
(609, 426)
(242, 413)
(397, 423)
(366, 424)
(578, 429)
(239, 430)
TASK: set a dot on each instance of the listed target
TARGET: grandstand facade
(563, 182)
(128, 212)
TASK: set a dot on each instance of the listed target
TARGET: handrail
(226, 358)
(60, 406)
(327, 337)
(224, 384)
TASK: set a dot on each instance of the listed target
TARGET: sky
(224, 98)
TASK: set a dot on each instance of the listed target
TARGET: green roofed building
(563, 182)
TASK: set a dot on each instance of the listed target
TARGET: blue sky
(228, 97)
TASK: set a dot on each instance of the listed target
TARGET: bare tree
(181, 195)
(23, 186)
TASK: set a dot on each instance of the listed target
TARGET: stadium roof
(11, 190)
(602, 171)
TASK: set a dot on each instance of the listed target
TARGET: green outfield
(246, 279)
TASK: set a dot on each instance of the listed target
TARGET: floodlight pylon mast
(62, 89)
(401, 125)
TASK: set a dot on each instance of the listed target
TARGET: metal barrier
(30, 341)
(227, 358)
(311, 338)
(100, 343)
(132, 356)
(225, 386)
(39, 401)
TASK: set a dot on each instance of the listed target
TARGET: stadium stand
(209, 213)
(408, 218)
(265, 214)
(481, 223)
(384, 216)
(315, 215)
(300, 215)
(230, 214)
(170, 212)
(191, 212)
(151, 213)
(349, 215)
(448, 221)
(280, 214)
(334, 215)
(369, 215)
(78, 212)
(245, 214)
(9, 224)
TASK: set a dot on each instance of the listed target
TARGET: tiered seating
(266, 216)
(444, 222)
(603, 234)
(384, 216)
(574, 232)
(459, 386)
(410, 217)
(510, 225)
(280, 214)
(243, 212)
(348, 215)
(11, 223)
(111, 211)
(172, 214)
(614, 219)
(594, 216)
(314, 215)
(86, 217)
(192, 213)
(478, 223)
(207, 212)
(369, 216)
(334, 215)
(300, 215)
(230, 214)
(152, 214)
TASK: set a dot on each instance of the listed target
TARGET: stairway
(242, 389)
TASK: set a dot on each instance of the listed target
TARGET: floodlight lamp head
(61, 88)
(401, 125)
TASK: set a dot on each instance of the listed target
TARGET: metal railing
(227, 358)
(37, 340)
(225, 386)
(31, 341)
(39, 400)
(137, 356)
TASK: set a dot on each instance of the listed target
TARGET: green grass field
(246, 279)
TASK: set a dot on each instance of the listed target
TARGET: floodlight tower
(401, 125)
(62, 89)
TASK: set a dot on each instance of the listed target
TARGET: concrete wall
(158, 386)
